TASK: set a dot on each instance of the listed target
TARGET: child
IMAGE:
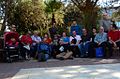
(12, 43)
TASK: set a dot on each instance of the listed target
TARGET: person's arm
(70, 39)
(104, 39)
(79, 40)
(80, 30)
(71, 30)
(101, 22)
(96, 39)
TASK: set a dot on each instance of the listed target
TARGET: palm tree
(51, 7)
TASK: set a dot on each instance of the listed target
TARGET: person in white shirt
(74, 42)
(75, 39)
(36, 40)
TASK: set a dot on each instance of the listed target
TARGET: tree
(72, 13)
(52, 6)
(6, 10)
(89, 11)
(28, 16)
(116, 15)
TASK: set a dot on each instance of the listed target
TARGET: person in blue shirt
(64, 41)
(101, 41)
(75, 27)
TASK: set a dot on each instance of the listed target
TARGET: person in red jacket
(26, 42)
(114, 36)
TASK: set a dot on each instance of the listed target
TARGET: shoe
(61, 58)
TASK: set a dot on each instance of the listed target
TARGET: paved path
(104, 71)
(8, 70)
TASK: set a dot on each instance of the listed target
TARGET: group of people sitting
(67, 47)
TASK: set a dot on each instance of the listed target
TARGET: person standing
(75, 27)
(105, 22)
(53, 31)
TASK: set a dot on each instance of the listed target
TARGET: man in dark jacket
(53, 30)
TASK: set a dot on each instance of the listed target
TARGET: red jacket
(115, 35)
(26, 39)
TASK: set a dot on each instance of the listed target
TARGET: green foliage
(116, 15)
(28, 16)
(72, 13)
(53, 9)
(52, 5)
(89, 12)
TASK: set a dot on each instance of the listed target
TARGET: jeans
(84, 49)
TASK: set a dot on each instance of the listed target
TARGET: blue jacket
(76, 28)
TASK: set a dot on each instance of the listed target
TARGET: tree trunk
(6, 12)
(53, 18)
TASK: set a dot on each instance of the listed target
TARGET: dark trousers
(34, 51)
(118, 45)
(55, 50)
(24, 51)
(75, 50)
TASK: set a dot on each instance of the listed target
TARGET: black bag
(74, 41)
(41, 56)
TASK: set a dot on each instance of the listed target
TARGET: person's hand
(37, 42)
(99, 44)
(115, 45)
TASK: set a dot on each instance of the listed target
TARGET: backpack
(42, 56)
(74, 41)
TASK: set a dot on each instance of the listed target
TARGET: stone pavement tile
(104, 71)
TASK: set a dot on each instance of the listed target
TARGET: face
(101, 29)
(74, 33)
(46, 36)
(36, 33)
(84, 31)
(74, 23)
(13, 39)
(94, 30)
(64, 34)
(13, 28)
(54, 24)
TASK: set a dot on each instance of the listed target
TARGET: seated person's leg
(55, 51)
(91, 49)
(66, 47)
(118, 44)
(86, 46)
(82, 50)
(110, 49)
(104, 45)
(33, 50)
(72, 48)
